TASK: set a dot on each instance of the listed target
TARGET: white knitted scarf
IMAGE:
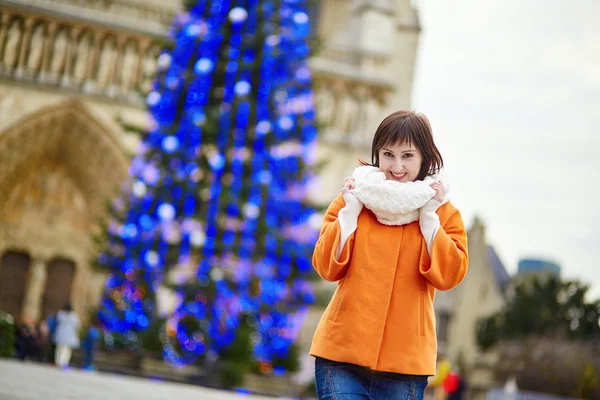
(393, 203)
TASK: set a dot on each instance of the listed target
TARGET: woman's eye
(388, 154)
(408, 155)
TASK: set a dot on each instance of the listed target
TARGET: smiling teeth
(398, 175)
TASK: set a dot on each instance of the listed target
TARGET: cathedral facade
(71, 71)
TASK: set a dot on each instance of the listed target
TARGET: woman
(390, 240)
(66, 335)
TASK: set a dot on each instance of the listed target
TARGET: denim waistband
(419, 379)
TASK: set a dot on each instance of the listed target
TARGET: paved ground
(29, 381)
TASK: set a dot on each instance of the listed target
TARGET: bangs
(399, 132)
(402, 137)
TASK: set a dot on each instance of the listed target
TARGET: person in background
(51, 324)
(454, 386)
(90, 345)
(25, 340)
(443, 368)
(66, 335)
(41, 339)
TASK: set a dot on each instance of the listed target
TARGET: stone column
(34, 292)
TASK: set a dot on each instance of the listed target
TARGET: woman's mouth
(397, 177)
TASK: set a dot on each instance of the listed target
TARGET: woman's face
(400, 162)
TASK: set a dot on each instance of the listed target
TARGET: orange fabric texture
(381, 314)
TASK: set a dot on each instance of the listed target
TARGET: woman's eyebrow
(391, 151)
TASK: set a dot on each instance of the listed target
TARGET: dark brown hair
(408, 127)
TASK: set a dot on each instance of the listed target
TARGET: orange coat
(381, 315)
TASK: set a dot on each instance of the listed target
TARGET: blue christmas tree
(217, 205)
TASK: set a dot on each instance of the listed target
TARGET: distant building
(536, 266)
(481, 294)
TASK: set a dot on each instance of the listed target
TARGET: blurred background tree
(547, 336)
(216, 213)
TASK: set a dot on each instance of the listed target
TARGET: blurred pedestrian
(25, 340)
(454, 386)
(90, 345)
(390, 240)
(66, 335)
(51, 324)
(40, 342)
(443, 368)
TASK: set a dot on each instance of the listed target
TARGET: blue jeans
(343, 381)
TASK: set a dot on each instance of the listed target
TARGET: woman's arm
(334, 247)
(446, 262)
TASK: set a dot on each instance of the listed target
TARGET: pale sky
(512, 88)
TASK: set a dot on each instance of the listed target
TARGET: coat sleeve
(331, 257)
(447, 265)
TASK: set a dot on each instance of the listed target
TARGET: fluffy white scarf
(393, 203)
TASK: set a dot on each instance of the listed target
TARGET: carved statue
(346, 110)
(11, 49)
(148, 69)
(59, 53)
(108, 55)
(359, 121)
(130, 60)
(82, 57)
(325, 104)
(372, 112)
(36, 50)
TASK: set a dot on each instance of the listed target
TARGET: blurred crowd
(54, 339)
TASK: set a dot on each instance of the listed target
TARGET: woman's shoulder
(447, 211)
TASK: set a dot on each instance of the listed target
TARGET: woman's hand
(440, 191)
(348, 185)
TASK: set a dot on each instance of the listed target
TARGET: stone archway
(59, 167)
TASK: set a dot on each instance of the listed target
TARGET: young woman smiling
(390, 240)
